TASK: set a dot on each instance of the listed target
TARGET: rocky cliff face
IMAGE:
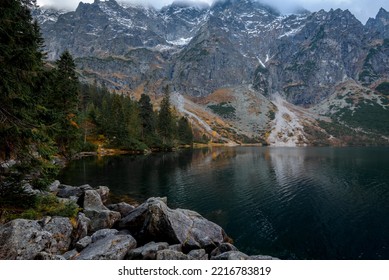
(235, 46)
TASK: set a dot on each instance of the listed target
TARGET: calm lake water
(291, 203)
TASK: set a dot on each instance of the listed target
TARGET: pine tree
(23, 133)
(65, 102)
(147, 118)
(20, 64)
(185, 134)
(166, 124)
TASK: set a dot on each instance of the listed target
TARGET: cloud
(72, 4)
(362, 9)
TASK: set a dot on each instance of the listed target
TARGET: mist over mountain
(236, 56)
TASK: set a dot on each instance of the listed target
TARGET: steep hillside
(248, 72)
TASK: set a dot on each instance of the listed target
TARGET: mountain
(245, 72)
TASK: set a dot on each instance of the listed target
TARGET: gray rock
(231, 255)
(92, 201)
(85, 187)
(101, 219)
(66, 191)
(23, 239)
(262, 258)
(27, 188)
(61, 230)
(103, 233)
(113, 247)
(70, 255)
(83, 243)
(154, 221)
(222, 248)
(171, 255)
(199, 254)
(123, 208)
(147, 252)
(104, 193)
(7, 164)
(54, 186)
(82, 227)
(47, 256)
(176, 247)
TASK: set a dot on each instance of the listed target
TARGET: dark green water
(292, 203)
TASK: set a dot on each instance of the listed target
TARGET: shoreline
(150, 230)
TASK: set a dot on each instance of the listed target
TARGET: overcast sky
(362, 9)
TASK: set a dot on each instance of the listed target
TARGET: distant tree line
(45, 112)
(129, 124)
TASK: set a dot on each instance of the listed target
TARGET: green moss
(349, 136)
(383, 88)
(370, 117)
(224, 110)
(45, 205)
(271, 115)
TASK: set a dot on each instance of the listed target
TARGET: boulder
(222, 248)
(123, 208)
(24, 239)
(176, 247)
(231, 255)
(146, 252)
(47, 256)
(70, 255)
(54, 186)
(101, 217)
(103, 233)
(83, 243)
(66, 191)
(171, 255)
(113, 247)
(154, 221)
(103, 191)
(82, 227)
(92, 201)
(198, 254)
(61, 230)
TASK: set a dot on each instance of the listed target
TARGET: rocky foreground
(151, 231)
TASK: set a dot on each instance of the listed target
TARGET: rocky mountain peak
(382, 14)
(47, 15)
(242, 6)
(189, 4)
(234, 56)
(301, 56)
(379, 24)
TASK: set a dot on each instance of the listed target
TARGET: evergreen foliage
(133, 125)
(23, 131)
(166, 121)
(38, 105)
(383, 88)
(184, 131)
(45, 112)
(148, 121)
(65, 102)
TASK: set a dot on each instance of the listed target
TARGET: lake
(291, 203)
